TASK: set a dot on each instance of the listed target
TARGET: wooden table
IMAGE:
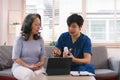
(68, 77)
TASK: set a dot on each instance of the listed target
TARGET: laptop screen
(58, 66)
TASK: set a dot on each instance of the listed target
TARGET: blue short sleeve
(87, 46)
(60, 41)
(17, 48)
(43, 53)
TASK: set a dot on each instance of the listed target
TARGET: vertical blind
(102, 21)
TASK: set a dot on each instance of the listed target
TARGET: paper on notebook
(74, 73)
(81, 73)
(86, 73)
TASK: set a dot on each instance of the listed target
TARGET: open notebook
(81, 73)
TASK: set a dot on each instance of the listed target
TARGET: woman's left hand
(37, 66)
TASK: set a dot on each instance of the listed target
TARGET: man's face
(74, 29)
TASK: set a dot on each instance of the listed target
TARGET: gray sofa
(104, 66)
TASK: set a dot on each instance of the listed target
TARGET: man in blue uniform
(79, 45)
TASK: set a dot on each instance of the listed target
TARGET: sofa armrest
(114, 64)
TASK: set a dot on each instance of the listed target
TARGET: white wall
(16, 5)
(5, 7)
(3, 20)
(0, 18)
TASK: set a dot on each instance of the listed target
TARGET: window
(102, 22)
(54, 15)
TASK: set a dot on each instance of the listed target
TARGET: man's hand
(65, 55)
(56, 52)
(70, 55)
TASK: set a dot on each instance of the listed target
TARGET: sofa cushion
(100, 57)
(6, 72)
(5, 57)
(105, 74)
(48, 50)
(49, 53)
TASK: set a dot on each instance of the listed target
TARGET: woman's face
(36, 26)
(74, 29)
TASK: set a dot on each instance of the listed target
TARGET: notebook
(81, 73)
(58, 66)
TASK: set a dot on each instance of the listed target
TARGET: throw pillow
(5, 57)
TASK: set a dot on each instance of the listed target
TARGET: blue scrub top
(78, 48)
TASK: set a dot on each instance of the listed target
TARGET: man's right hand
(56, 52)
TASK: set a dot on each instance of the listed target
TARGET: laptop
(58, 66)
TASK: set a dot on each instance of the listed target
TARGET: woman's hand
(39, 64)
(32, 67)
(36, 66)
